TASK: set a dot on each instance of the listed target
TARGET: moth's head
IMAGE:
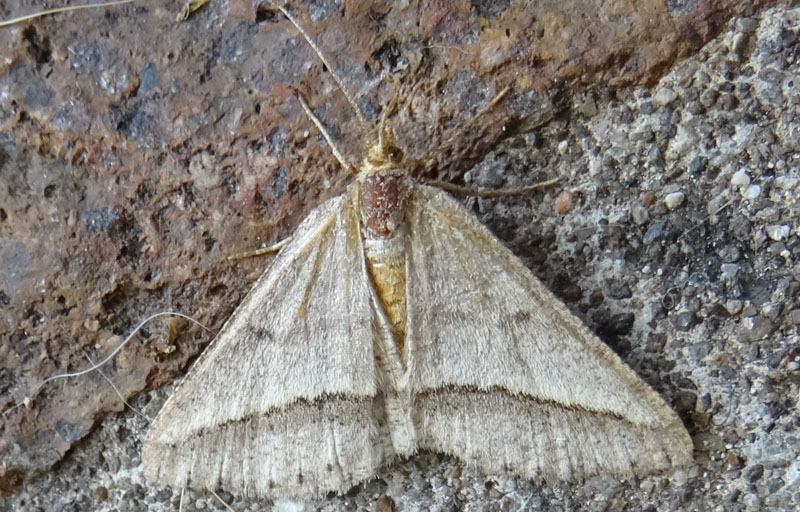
(384, 153)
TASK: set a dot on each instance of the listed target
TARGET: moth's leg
(466, 126)
(492, 193)
(472, 191)
(259, 252)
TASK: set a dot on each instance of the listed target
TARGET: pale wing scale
(293, 363)
(479, 324)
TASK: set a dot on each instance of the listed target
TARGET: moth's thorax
(383, 201)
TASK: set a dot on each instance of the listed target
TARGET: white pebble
(665, 95)
(777, 232)
(674, 200)
(729, 270)
(562, 146)
(752, 192)
(289, 506)
(785, 182)
(740, 178)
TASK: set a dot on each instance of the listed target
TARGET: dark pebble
(685, 320)
(654, 232)
(696, 108)
(647, 108)
(98, 220)
(775, 484)
(729, 102)
(656, 343)
(614, 325)
(619, 291)
(698, 165)
(708, 97)
(148, 77)
(684, 403)
(754, 473)
(69, 432)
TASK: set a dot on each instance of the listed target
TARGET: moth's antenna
(335, 150)
(321, 56)
(224, 503)
(57, 10)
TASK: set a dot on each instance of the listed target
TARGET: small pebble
(654, 232)
(562, 146)
(778, 232)
(101, 493)
(740, 178)
(785, 182)
(665, 96)
(648, 199)
(385, 504)
(728, 270)
(674, 200)
(732, 460)
(564, 202)
(774, 485)
(752, 192)
(734, 307)
(754, 473)
(685, 320)
(747, 25)
(772, 310)
(639, 213)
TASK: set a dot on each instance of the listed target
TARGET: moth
(391, 322)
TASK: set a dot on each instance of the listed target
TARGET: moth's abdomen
(382, 204)
(388, 273)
